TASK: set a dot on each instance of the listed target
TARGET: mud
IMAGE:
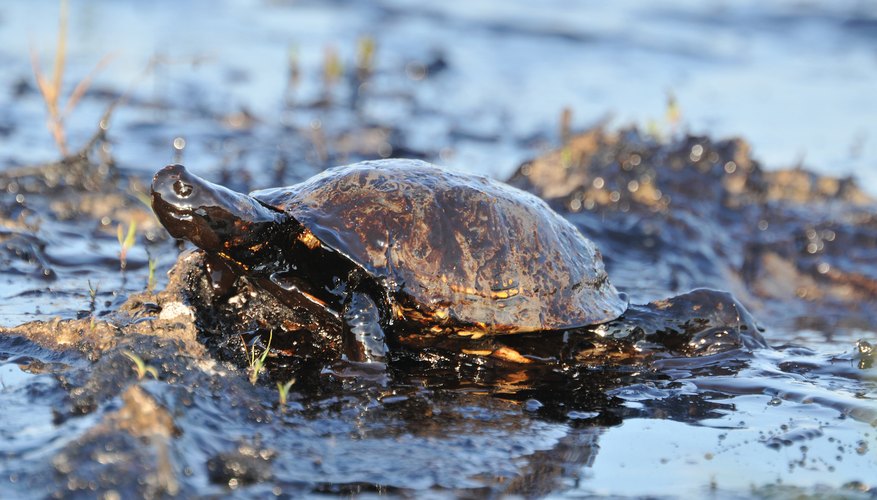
(678, 358)
(790, 243)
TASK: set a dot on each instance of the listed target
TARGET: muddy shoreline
(201, 346)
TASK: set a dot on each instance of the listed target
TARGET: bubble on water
(415, 71)
(635, 160)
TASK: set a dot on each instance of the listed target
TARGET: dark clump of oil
(792, 245)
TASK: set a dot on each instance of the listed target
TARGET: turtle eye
(183, 189)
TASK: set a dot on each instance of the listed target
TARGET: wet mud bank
(794, 246)
(166, 391)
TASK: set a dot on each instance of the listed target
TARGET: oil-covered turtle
(400, 246)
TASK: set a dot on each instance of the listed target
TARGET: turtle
(386, 249)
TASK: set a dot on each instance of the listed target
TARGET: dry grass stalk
(50, 88)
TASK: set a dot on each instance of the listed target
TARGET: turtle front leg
(363, 336)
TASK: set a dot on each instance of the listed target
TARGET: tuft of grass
(92, 296)
(140, 366)
(144, 199)
(293, 76)
(565, 127)
(365, 58)
(332, 70)
(50, 87)
(673, 112)
(566, 157)
(672, 122)
(283, 392)
(150, 281)
(257, 363)
(126, 241)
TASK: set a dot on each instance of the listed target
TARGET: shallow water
(795, 78)
(478, 86)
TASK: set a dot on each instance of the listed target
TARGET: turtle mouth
(183, 215)
(164, 209)
(173, 217)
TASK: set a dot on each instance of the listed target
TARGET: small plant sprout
(566, 157)
(673, 113)
(565, 128)
(140, 366)
(142, 198)
(92, 296)
(653, 129)
(283, 392)
(365, 58)
(332, 70)
(258, 363)
(293, 76)
(150, 281)
(126, 241)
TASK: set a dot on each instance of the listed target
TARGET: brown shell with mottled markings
(468, 252)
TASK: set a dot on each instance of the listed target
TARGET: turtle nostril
(183, 189)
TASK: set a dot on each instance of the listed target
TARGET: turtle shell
(462, 249)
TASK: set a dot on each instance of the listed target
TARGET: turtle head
(214, 218)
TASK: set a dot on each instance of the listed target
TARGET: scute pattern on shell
(464, 247)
